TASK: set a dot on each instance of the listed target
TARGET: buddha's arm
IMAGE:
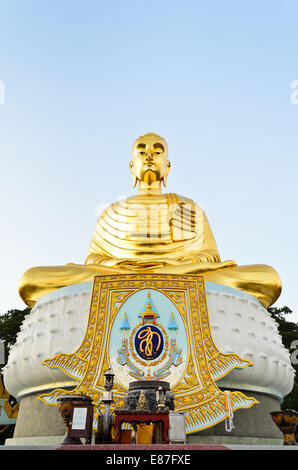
(96, 254)
(204, 248)
(204, 256)
(95, 258)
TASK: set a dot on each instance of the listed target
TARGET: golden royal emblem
(146, 335)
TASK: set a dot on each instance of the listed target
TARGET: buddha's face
(150, 159)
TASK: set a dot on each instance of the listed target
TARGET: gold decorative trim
(196, 392)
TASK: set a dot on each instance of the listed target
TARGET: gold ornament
(196, 392)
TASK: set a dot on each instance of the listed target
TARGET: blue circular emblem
(149, 342)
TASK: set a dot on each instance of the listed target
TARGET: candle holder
(66, 405)
(161, 398)
(287, 421)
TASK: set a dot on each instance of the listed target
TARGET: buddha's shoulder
(181, 199)
(138, 201)
(145, 199)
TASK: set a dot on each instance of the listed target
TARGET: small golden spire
(149, 314)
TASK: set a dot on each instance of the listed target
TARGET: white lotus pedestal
(239, 324)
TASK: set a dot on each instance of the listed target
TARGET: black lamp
(109, 379)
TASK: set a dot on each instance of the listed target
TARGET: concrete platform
(119, 448)
(148, 448)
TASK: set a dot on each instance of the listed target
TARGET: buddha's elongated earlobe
(134, 178)
(165, 175)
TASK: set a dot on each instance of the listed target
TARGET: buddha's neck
(149, 189)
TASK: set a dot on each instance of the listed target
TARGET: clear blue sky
(83, 79)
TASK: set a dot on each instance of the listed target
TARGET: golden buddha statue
(153, 232)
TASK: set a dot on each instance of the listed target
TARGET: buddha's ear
(165, 175)
(132, 170)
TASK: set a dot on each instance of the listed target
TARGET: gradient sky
(83, 79)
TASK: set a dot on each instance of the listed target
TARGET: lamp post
(107, 400)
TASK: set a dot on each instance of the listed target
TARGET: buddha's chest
(164, 218)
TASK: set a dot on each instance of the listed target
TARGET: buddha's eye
(142, 153)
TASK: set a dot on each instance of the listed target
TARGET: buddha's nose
(149, 156)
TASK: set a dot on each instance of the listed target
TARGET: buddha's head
(149, 163)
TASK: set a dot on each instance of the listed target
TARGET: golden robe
(163, 233)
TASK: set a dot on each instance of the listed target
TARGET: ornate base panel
(153, 327)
